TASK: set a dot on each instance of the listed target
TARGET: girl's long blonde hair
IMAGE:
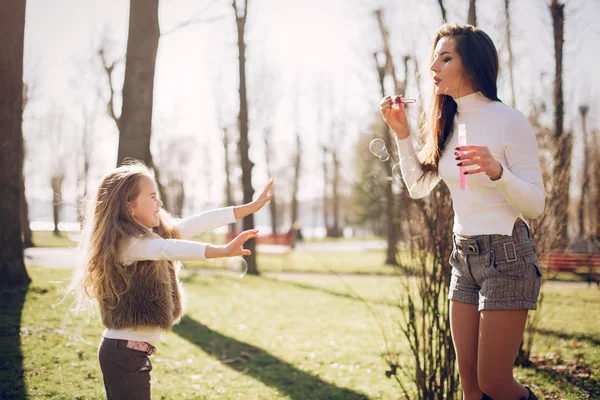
(107, 224)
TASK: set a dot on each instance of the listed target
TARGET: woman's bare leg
(500, 334)
(464, 324)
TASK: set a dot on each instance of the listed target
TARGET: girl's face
(447, 69)
(147, 205)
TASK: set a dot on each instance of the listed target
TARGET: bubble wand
(462, 141)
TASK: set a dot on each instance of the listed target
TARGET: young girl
(131, 271)
(495, 274)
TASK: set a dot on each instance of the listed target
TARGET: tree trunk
(595, 185)
(561, 174)
(472, 17)
(510, 54)
(296, 183)
(587, 171)
(25, 228)
(138, 88)
(228, 188)
(243, 144)
(56, 183)
(12, 31)
(325, 194)
(270, 172)
(390, 207)
(336, 198)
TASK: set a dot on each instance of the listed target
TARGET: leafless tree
(12, 31)
(384, 69)
(443, 9)
(510, 53)
(562, 140)
(584, 202)
(241, 15)
(135, 122)
(595, 185)
(25, 227)
(57, 135)
(265, 101)
(325, 164)
(173, 159)
(137, 113)
(295, 215)
(472, 15)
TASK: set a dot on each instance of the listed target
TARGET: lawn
(271, 337)
(299, 260)
(49, 239)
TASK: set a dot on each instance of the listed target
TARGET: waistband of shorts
(506, 248)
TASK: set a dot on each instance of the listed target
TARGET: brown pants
(126, 372)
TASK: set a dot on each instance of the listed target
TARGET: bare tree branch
(109, 68)
(444, 18)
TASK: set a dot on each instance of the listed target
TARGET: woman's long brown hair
(480, 61)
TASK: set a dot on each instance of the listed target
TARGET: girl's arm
(200, 223)
(154, 249)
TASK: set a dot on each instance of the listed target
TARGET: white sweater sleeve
(521, 183)
(412, 170)
(154, 249)
(197, 224)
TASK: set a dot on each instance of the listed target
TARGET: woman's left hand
(264, 197)
(480, 156)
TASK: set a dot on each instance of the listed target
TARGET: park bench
(270, 244)
(583, 264)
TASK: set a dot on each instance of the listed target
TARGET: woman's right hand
(395, 117)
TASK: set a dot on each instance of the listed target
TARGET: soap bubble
(408, 164)
(397, 173)
(377, 147)
(236, 267)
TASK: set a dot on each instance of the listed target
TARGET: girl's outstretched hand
(236, 246)
(264, 196)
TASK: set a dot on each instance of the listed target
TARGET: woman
(495, 275)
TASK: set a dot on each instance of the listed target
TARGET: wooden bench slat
(570, 262)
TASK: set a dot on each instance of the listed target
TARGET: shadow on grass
(349, 296)
(594, 341)
(261, 365)
(12, 382)
(588, 384)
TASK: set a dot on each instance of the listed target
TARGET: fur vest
(152, 301)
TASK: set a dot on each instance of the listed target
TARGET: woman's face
(147, 205)
(447, 69)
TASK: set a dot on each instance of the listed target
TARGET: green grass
(292, 337)
(299, 260)
(48, 239)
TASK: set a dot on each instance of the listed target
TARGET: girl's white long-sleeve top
(486, 207)
(156, 248)
(140, 249)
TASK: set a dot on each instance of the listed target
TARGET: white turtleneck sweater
(486, 207)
